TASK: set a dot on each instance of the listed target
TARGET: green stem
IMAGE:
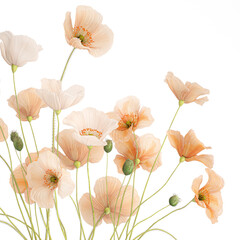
(15, 91)
(35, 142)
(58, 134)
(90, 194)
(59, 220)
(100, 218)
(157, 229)
(150, 173)
(164, 217)
(46, 226)
(64, 70)
(145, 219)
(53, 132)
(36, 216)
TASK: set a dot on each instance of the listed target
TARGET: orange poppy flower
(148, 148)
(209, 196)
(188, 92)
(189, 146)
(130, 117)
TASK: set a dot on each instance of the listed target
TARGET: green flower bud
(29, 118)
(181, 102)
(14, 68)
(77, 164)
(108, 147)
(18, 144)
(174, 200)
(128, 167)
(107, 210)
(13, 135)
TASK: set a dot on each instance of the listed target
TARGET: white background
(197, 40)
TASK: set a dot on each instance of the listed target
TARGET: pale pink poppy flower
(130, 117)
(148, 148)
(188, 92)
(17, 49)
(91, 126)
(29, 104)
(189, 146)
(100, 201)
(44, 176)
(88, 32)
(57, 99)
(4, 130)
(209, 196)
(76, 151)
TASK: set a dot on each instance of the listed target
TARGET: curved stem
(53, 132)
(165, 217)
(64, 70)
(100, 218)
(156, 229)
(145, 219)
(150, 173)
(35, 142)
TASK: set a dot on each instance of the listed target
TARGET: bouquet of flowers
(46, 173)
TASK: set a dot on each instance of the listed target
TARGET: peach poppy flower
(209, 196)
(52, 94)
(189, 146)
(17, 49)
(188, 92)
(88, 33)
(148, 148)
(44, 176)
(75, 151)
(20, 175)
(100, 202)
(4, 130)
(130, 117)
(91, 126)
(29, 104)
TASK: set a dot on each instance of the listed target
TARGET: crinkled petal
(43, 196)
(65, 185)
(176, 140)
(206, 159)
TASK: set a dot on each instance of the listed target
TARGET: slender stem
(89, 187)
(36, 216)
(59, 220)
(53, 132)
(150, 173)
(64, 70)
(35, 142)
(15, 91)
(100, 218)
(165, 217)
(46, 226)
(156, 229)
(58, 133)
(145, 219)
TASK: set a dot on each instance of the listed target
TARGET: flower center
(51, 179)
(201, 197)
(127, 121)
(84, 35)
(90, 132)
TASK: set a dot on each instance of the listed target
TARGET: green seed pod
(128, 167)
(18, 144)
(13, 135)
(108, 147)
(174, 200)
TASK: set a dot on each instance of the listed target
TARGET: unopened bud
(108, 147)
(77, 164)
(13, 135)
(128, 167)
(174, 200)
(18, 144)
(107, 210)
